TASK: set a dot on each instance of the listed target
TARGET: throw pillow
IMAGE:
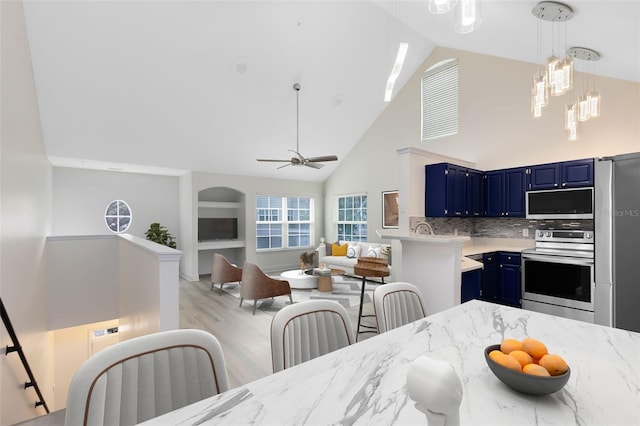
(353, 251)
(338, 250)
(374, 252)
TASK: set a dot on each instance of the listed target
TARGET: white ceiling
(168, 86)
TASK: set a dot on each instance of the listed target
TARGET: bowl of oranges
(527, 366)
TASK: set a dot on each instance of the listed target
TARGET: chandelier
(467, 13)
(555, 78)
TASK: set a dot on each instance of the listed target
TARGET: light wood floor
(245, 338)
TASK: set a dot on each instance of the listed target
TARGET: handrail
(17, 348)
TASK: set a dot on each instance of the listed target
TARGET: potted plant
(161, 235)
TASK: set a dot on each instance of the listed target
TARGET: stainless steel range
(558, 274)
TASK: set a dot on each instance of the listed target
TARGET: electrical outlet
(525, 232)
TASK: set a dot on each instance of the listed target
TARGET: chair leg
(212, 284)
(221, 284)
(241, 299)
(255, 302)
(290, 299)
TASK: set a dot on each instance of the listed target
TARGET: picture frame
(390, 209)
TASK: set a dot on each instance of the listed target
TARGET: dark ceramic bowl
(525, 383)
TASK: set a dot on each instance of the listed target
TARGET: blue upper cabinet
(494, 200)
(505, 192)
(544, 176)
(449, 192)
(567, 174)
(475, 193)
(578, 173)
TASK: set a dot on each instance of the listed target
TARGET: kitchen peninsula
(365, 383)
(433, 264)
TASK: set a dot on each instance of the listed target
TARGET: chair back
(397, 304)
(224, 272)
(307, 330)
(145, 377)
(258, 285)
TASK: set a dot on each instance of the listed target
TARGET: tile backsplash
(495, 227)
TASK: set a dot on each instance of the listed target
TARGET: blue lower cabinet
(490, 277)
(471, 285)
(501, 278)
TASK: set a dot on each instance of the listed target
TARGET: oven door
(558, 280)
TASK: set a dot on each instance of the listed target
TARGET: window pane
(349, 215)
(349, 202)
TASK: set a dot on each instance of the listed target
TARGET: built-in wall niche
(221, 203)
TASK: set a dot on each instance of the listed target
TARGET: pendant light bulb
(438, 7)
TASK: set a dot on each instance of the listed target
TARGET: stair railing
(17, 348)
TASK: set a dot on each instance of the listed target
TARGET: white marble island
(365, 382)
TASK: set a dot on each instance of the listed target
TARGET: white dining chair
(397, 304)
(307, 330)
(144, 377)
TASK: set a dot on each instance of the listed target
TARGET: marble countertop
(365, 382)
(488, 245)
(469, 265)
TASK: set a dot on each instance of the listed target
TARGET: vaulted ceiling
(166, 86)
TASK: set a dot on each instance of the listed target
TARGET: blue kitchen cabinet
(544, 176)
(490, 277)
(446, 191)
(510, 287)
(505, 191)
(501, 279)
(494, 190)
(566, 174)
(475, 193)
(576, 174)
(471, 285)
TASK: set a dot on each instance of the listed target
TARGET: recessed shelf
(223, 244)
(219, 204)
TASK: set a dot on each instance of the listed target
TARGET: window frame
(118, 216)
(283, 219)
(443, 79)
(362, 235)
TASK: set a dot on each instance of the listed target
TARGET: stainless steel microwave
(570, 203)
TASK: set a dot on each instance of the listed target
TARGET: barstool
(371, 267)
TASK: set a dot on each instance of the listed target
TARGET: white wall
(82, 270)
(496, 129)
(80, 198)
(250, 186)
(25, 211)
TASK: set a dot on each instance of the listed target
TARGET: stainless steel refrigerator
(617, 241)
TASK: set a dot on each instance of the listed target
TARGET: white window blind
(440, 100)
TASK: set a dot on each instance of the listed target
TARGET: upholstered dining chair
(307, 330)
(257, 285)
(397, 304)
(223, 272)
(145, 377)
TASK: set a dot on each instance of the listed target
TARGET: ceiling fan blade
(313, 165)
(325, 158)
(273, 161)
(284, 165)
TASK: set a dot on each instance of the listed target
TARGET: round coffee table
(325, 280)
(298, 278)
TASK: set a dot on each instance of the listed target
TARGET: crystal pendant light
(594, 104)
(467, 16)
(441, 6)
(539, 94)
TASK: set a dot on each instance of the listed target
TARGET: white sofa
(360, 249)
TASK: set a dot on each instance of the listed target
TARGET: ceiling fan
(298, 159)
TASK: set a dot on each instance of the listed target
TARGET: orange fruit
(535, 370)
(494, 355)
(509, 345)
(509, 362)
(522, 357)
(534, 347)
(554, 364)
